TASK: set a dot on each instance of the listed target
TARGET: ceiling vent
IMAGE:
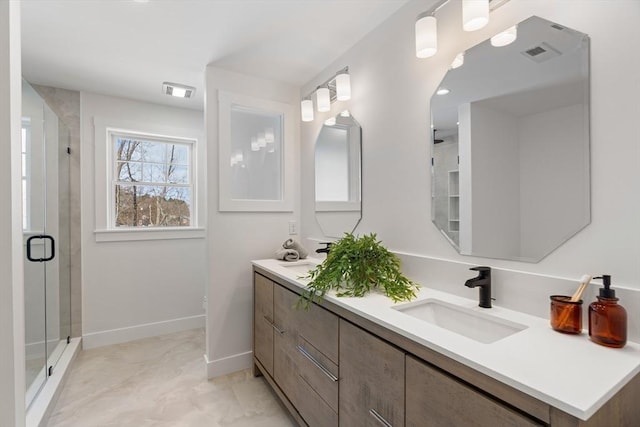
(178, 90)
(541, 53)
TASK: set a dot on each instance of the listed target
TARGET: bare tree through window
(152, 182)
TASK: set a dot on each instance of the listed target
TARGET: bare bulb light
(426, 36)
(475, 14)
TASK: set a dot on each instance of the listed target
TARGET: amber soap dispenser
(607, 319)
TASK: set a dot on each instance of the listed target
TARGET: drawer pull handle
(278, 330)
(380, 418)
(318, 365)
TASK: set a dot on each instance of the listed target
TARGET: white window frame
(105, 230)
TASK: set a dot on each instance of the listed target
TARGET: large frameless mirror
(338, 187)
(510, 144)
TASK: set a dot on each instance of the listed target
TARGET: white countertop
(568, 372)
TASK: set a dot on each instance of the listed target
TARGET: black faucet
(483, 281)
(324, 250)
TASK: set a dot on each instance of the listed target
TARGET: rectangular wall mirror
(256, 160)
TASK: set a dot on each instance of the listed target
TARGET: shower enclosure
(46, 227)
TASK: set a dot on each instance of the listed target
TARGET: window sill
(168, 233)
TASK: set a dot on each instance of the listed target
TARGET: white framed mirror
(338, 175)
(255, 154)
(510, 144)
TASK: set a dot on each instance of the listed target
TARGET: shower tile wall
(66, 105)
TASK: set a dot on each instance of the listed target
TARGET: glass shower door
(46, 228)
(33, 224)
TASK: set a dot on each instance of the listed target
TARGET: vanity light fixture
(457, 61)
(343, 86)
(262, 142)
(475, 14)
(505, 38)
(442, 91)
(178, 90)
(426, 35)
(345, 113)
(331, 121)
(323, 100)
(336, 88)
(269, 135)
(306, 110)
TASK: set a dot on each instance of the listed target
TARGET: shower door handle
(41, 237)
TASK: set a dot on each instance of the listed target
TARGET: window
(147, 179)
(152, 183)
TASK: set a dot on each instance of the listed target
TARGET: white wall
(12, 374)
(550, 143)
(133, 289)
(235, 238)
(495, 182)
(391, 90)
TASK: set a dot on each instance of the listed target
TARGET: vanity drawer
(320, 373)
(319, 327)
(437, 399)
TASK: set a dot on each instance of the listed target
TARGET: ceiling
(128, 48)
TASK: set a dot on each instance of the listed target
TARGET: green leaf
(354, 267)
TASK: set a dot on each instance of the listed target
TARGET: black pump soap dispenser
(607, 319)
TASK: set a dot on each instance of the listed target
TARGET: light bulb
(323, 101)
(426, 36)
(306, 110)
(475, 14)
(343, 87)
(506, 37)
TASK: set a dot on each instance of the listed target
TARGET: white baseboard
(131, 333)
(229, 364)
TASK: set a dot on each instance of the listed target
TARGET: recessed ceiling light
(443, 91)
(178, 90)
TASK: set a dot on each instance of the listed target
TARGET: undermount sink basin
(302, 267)
(472, 324)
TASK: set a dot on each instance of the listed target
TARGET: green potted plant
(354, 267)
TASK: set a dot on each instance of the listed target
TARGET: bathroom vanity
(367, 361)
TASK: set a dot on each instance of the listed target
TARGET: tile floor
(161, 381)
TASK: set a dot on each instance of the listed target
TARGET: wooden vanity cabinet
(298, 351)
(332, 367)
(263, 322)
(435, 399)
(371, 380)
